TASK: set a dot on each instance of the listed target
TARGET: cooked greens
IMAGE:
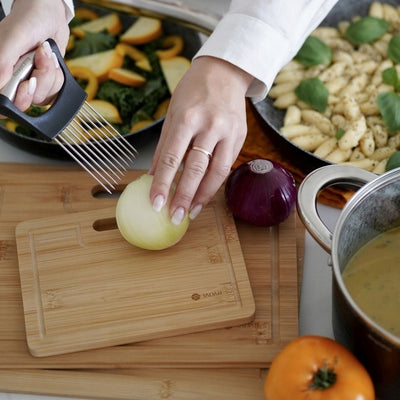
(92, 43)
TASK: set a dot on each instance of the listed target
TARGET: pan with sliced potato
(336, 102)
(128, 65)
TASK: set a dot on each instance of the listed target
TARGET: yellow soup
(372, 277)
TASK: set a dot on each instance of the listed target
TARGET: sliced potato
(161, 109)
(143, 30)
(110, 23)
(173, 70)
(86, 14)
(108, 110)
(126, 77)
(141, 124)
(100, 63)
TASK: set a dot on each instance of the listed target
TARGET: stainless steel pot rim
(381, 181)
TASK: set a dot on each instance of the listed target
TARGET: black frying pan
(48, 149)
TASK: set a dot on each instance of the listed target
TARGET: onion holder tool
(74, 124)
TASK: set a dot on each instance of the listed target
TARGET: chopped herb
(339, 133)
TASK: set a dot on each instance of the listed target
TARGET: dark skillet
(344, 10)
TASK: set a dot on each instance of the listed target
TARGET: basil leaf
(393, 161)
(366, 30)
(313, 92)
(393, 51)
(389, 106)
(314, 52)
(391, 77)
(339, 133)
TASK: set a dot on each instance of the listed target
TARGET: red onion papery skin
(265, 198)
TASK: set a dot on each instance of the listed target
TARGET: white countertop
(315, 303)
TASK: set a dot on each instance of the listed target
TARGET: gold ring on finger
(204, 151)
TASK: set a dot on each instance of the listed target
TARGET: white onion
(140, 225)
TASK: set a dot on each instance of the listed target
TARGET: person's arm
(261, 36)
(207, 114)
(69, 7)
(249, 46)
(27, 26)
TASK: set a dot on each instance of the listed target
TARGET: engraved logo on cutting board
(7, 250)
(225, 292)
(167, 388)
(261, 330)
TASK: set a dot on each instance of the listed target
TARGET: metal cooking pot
(373, 209)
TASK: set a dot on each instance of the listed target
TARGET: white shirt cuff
(251, 45)
(261, 38)
(69, 9)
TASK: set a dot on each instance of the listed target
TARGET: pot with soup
(364, 252)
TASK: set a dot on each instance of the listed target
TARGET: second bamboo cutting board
(85, 287)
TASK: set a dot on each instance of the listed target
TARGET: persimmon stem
(324, 378)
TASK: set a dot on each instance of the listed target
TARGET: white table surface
(315, 302)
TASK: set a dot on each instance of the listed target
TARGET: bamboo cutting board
(139, 384)
(85, 287)
(32, 191)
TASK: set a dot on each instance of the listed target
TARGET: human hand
(26, 28)
(207, 114)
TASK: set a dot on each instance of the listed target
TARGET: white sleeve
(262, 36)
(6, 4)
(69, 7)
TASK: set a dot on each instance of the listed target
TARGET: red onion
(261, 192)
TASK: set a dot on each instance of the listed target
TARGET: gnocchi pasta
(354, 80)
